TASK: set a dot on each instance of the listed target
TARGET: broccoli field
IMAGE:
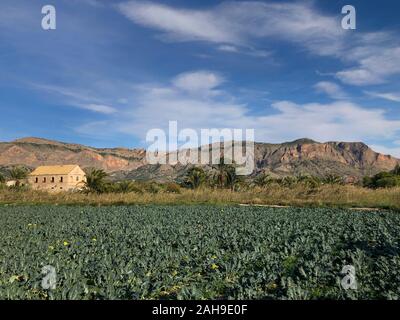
(197, 252)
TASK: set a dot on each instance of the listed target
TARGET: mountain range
(300, 157)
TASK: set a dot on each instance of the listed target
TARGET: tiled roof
(49, 170)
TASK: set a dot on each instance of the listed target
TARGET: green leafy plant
(18, 174)
(96, 181)
(197, 252)
(195, 178)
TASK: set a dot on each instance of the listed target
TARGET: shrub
(396, 170)
(263, 180)
(383, 180)
(126, 187)
(172, 188)
(195, 178)
(388, 182)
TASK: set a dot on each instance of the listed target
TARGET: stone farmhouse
(57, 178)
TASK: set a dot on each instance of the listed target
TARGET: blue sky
(112, 70)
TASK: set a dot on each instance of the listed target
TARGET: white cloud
(156, 105)
(331, 89)
(179, 24)
(198, 81)
(239, 23)
(77, 98)
(244, 50)
(386, 95)
(375, 64)
(99, 108)
(341, 121)
(228, 48)
(233, 26)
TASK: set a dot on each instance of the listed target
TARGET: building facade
(57, 178)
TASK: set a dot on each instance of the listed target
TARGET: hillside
(303, 156)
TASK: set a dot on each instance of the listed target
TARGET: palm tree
(396, 170)
(221, 173)
(18, 174)
(126, 186)
(231, 177)
(310, 181)
(332, 179)
(95, 181)
(263, 180)
(195, 177)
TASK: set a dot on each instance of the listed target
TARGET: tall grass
(326, 195)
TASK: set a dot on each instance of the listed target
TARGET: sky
(113, 70)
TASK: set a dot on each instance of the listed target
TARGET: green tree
(96, 181)
(382, 180)
(18, 174)
(388, 182)
(195, 177)
(2, 179)
(396, 170)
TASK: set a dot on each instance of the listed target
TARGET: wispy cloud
(374, 64)
(99, 108)
(374, 56)
(237, 23)
(284, 120)
(385, 95)
(246, 51)
(331, 89)
(77, 98)
(198, 81)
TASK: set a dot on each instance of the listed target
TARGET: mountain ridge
(298, 157)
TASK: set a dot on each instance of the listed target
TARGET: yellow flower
(174, 273)
(214, 266)
(51, 248)
(94, 239)
(66, 243)
(214, 257)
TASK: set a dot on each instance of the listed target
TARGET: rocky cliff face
(302, 156)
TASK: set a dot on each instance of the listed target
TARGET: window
(52, 179)
(44, 180)
(61, 179)
(36, 180)
(77, 178)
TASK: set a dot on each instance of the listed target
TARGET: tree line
(221, 176)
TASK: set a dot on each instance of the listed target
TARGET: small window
(61, 179)
(36, 180)
(52, 179)
(77, 178)
(44, 180)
